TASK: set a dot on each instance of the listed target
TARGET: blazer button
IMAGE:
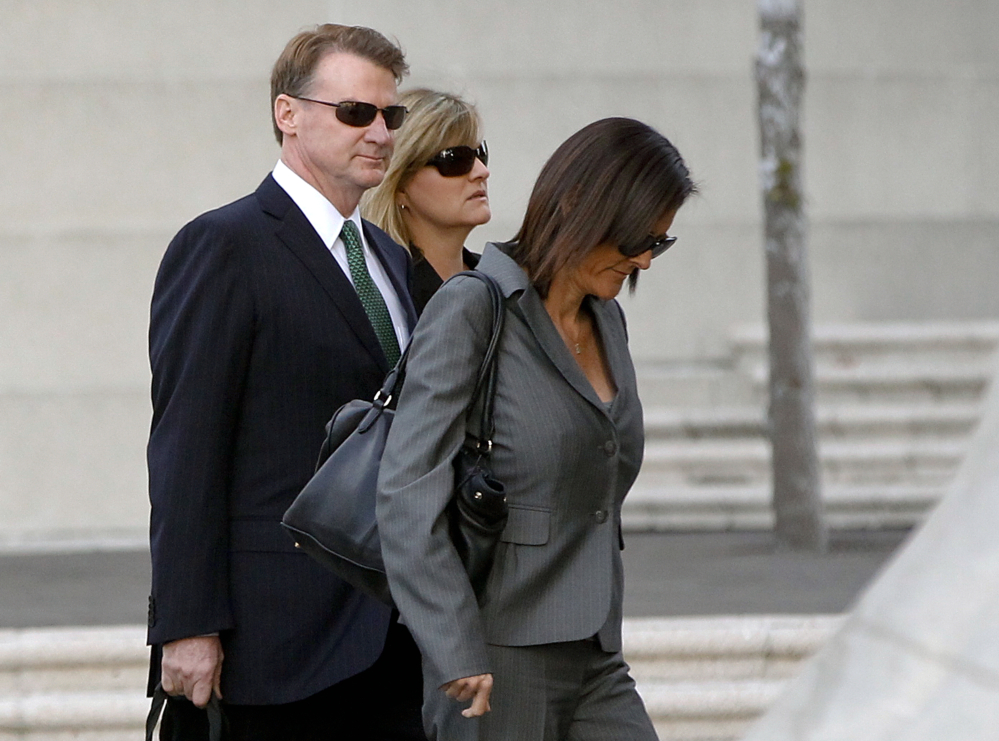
(600, 516)
(610, 447)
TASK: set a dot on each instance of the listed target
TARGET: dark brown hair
(610, 182)
(292, 73)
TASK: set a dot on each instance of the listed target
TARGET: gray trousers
(554, 692)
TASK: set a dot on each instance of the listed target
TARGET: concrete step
(73, 683)
(746, 462)
(707, 711)
(903, 380)
(895, 406)
(863, 361)
(702, 678)
(709, 678)
(749, 507)
(74, 715)
(723, 648)
(55, 659)
(839, 421)
(696, 386)
(853, 342)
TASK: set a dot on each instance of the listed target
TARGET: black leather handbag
(333, 518)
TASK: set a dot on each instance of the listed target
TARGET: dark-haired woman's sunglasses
(658, 244)
(460, 160)
(355, 113)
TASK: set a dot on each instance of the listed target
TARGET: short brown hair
(610, 182)
(292, 73)
(436, 121)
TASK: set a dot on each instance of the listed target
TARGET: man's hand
(476, 689)
(193, 667)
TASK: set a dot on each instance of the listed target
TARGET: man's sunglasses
(355, 113)
(455, 161)
(658, 245)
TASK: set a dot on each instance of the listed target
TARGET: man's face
(343, 160)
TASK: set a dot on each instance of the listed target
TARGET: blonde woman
(434, 192)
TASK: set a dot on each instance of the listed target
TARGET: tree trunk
(780, 77)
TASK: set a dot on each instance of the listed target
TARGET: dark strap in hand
(214, 711)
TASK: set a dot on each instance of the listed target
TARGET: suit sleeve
(199, 345)
(416, 482)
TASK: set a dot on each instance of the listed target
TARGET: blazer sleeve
(416, 482)
(199, 345)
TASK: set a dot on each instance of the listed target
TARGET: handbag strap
(485, 385)
(214, 710)
(394, 377)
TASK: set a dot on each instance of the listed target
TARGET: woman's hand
(476, 689)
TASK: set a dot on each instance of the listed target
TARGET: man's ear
(285, 112)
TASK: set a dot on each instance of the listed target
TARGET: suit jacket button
(600, 516)
(610, 447)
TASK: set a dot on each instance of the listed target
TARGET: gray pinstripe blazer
(566, 459)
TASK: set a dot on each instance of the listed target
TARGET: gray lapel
(537, 318)
(615, 342)
(531, 309)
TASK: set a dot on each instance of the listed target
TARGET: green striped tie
(367, 291)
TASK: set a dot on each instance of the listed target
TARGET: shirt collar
(322, 214)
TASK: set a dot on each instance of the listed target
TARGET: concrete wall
(124, 120)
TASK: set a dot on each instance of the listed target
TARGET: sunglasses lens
(661, 245)
(356, 114)
(394, 116)
(658, 245)
(456, 161)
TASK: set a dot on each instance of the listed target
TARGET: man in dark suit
(267, 315)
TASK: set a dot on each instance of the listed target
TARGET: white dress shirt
(328, 222)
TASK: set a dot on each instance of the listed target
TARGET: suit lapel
(537, 318)
(297, 234)
(531, 309)
(615, 345)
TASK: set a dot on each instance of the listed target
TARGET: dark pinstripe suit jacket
(566, 459)
(256, 337)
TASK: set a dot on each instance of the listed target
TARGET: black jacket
(256, 337)
(425, 278)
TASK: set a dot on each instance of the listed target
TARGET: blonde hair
(436, 121)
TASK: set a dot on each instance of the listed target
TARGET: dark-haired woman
(434, 192)
(540, 657)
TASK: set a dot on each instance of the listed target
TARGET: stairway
(85, 684)
(702, 679)
(896, 404)
(708, 678)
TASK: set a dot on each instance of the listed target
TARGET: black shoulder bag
(333, 518)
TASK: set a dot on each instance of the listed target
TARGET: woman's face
(604, 270)
(446, 203)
